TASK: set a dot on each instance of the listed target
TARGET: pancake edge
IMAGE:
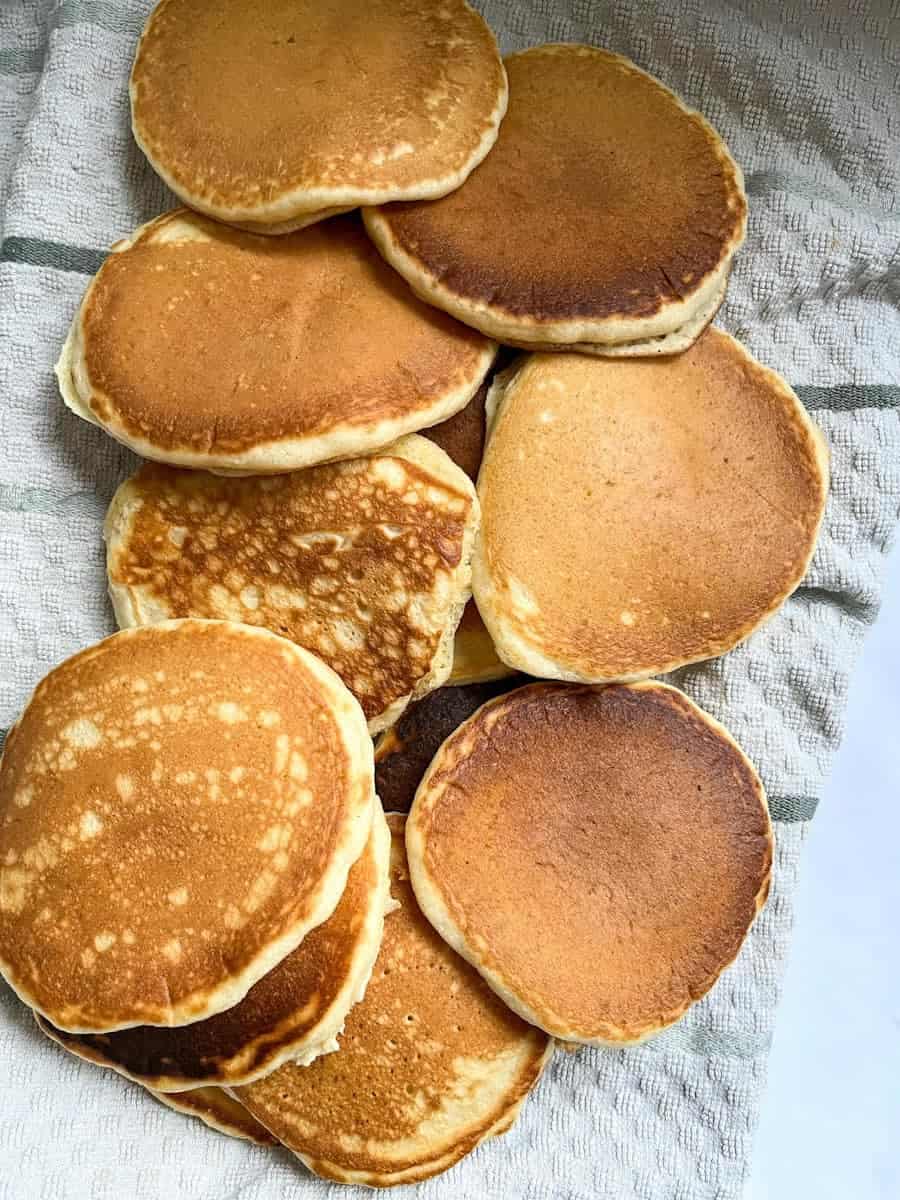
(350, 721)
(326, 1169)
(664, 345)
(266, 457)
(259, 1135)
(507, 327)
(296, 207)
(321, 1039)
(127, 599)
(432, 903)
(518, 652)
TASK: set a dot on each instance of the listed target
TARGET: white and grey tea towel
(808, 97)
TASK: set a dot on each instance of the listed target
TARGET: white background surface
(830, 1127)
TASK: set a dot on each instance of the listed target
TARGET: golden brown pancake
(201, 346)
(294, 1013)
(637, 516)
(431, 1063)
(404, 752)
(268, 111)
(365, 563)
(607, 213)
(597, 853)
(179, 806)
(219, 1111)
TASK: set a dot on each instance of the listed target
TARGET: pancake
(179, 806)
(608, 213)
(365, 563)
(267, 112)
(404, 753)
(431, 1063)
(219, 1111)
(462, 437)
(638, 516)
(676, 342)
(201, 346)
(475, 658)
(599, 854)
(294, 1013)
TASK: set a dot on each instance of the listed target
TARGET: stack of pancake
(362, 518)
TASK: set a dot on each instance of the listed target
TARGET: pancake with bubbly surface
(599, 854)
(366, 563)
(201, 346)
(638, 516)
(179, 807)
(273, 113)
(404, 752)
(219, 1111)
(608, 213)
(294, 1013)
(431, 1063)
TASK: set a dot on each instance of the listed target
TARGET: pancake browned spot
(219, 1111)
(365, 563)
(638, 516)
(597, 853)
(202, 346)
(607, 213)
(295, 1012)
(179, 806)
(431, 1063)
(404, 752)
(269, 112)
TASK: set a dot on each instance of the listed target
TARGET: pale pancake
(404, 752)
(202, 346)
(268, 111)
(475, 658)
(599, 854)
(219, 1111)
(294, 1013)
(462, 437)
(366, 563)
(607, 213)
(430, 1064)
(179, 806)
(638, 516)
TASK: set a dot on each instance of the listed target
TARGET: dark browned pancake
(462, 436)
(295, 1012)
(599, 854)
(403, 753)
(607, 212)
(431, 1063)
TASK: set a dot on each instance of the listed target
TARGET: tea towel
(807, 93)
